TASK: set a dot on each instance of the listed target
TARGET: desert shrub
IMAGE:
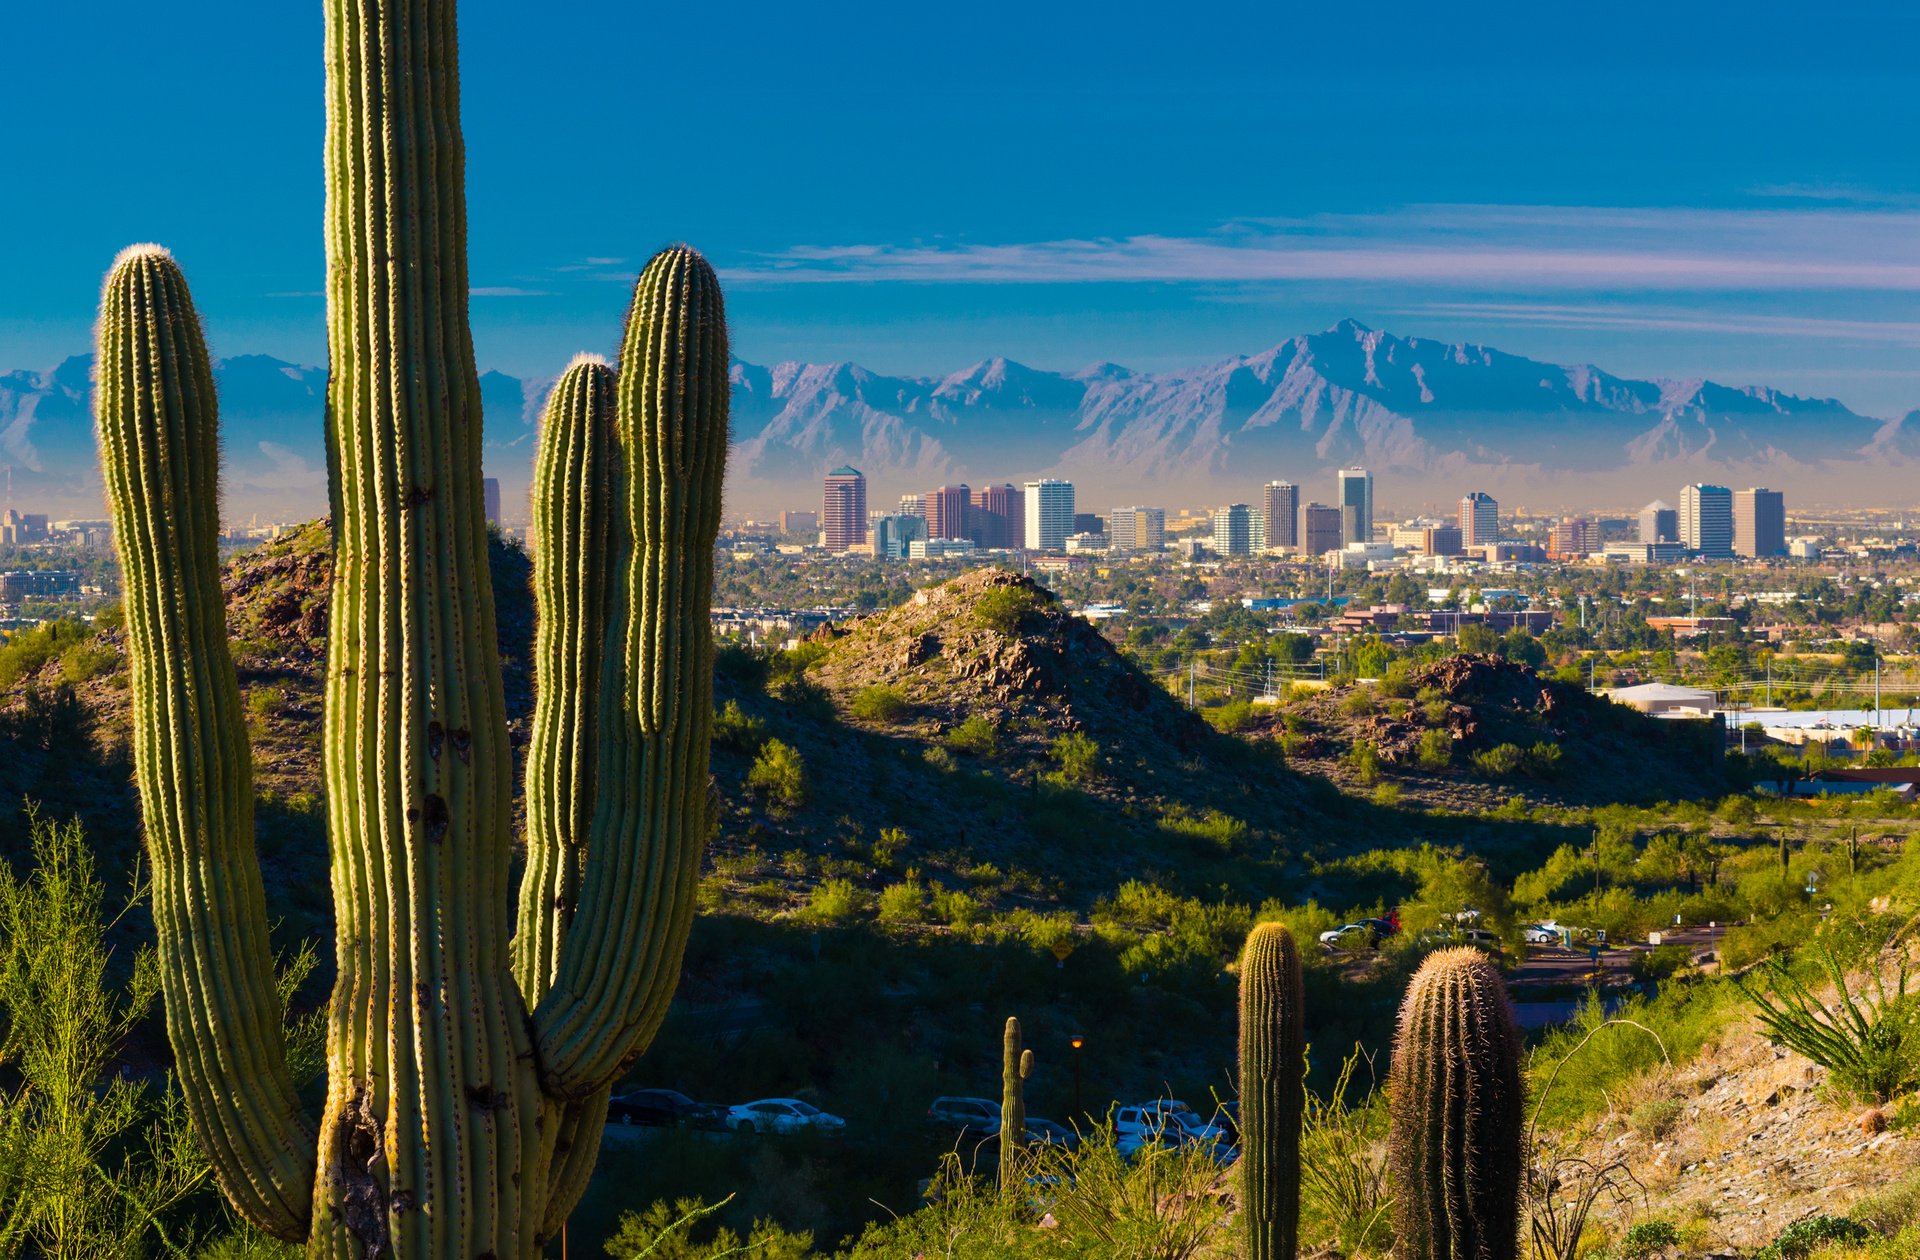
(1802, 1238)
(1230, 718)
(1364, 759)
(27, 650)
(266, 702)
(736, 729)
(975, 737)
(882, 704)
(1343, 1175)
(1007, 609)
(1292, 743)
(833, 901)
(680, 1231)
(85, 661)
(1543, 760)
(904, 902)
(886, 849)
(779, 775)
(1357, 703)
(1210, 827)
(1647, 1239)
(1436, 750)
(1077, 755)
(1870, 1044)
(1654, 1120)
(1502, 761)
(1388, 795)
(955, 907)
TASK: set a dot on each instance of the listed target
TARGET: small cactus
(1456, 1097)
(1272, 1093)
(1016, 1065)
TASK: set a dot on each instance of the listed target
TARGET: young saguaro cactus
(1456, 1096)
(1272, 1091)
(1016, 1065)
(467, 1068)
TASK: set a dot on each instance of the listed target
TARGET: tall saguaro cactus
(1272, 1091)
(1456, 1096)
(468, 1067)
(1016, 1065)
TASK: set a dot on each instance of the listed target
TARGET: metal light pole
(1076, 1043)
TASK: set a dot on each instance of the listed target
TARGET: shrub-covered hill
(1469, 732)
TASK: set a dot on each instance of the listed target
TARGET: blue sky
(1728, 190)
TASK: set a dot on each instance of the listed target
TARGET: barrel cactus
(1456, 1097)
(1016, 1065)
(467, 1067)
(1272, 1091)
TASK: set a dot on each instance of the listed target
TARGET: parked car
(781, 1115)
(1165, 1120)
(1050, 1133)
(664, 1108)
(978, 1116)
(1353, 936)
(1543, 933)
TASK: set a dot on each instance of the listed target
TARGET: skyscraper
(1479, 520)
(1573, 538)
(1137, 529)
(995, 518)
(913, 505)
(843, 515)
(490, 495)
(1049, 504)
(1706, 520)
(1759, 522)
(1356, 505)
(1321, 529)
(947, 512)
(1233, 529)
(1280, 502)
(1659, 522)
(894, 536)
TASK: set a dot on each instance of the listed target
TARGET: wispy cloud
(1507, 248)
(505, 290)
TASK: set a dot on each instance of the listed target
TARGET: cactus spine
(467, 1068)
(1016, 1065)
(1456, 1096)
(1272, 1091)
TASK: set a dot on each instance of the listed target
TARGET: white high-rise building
(1356, 505)
(1049, 504)
(1233, 529)
(1479, 520)
(1137, 529)
(1706, 520)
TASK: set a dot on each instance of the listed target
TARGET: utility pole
(1189, 682)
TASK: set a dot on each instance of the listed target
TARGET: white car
(781, 1115)
(1543, 934)
(1163, 1120)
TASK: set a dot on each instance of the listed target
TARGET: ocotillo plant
(1272, 1091)
(1456, 1096)
(1016, 1065)
(467, 1076)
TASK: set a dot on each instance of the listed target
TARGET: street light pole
(1076, 1043)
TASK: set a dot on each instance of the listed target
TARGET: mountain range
(1432, 419)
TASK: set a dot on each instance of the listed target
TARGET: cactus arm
(620, 963)
(433, 1111)
(573, 524)
(160, 456)
(1272, 1091)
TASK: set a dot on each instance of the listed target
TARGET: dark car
(664, 1108)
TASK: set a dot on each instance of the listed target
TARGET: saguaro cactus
(1272, 1091)
(467, 1075)
(1456, 1097)
(1016, 1065)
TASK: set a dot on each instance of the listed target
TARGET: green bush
(679, 1231)
(904, 902)
(975, 737)
(1212, 828)
(1077, 755)
(1436, 750)
(882, 704)
(85, 661)
(1543, 760)
(1647, 1239)
(1008, 609)
(266, 702)
(736, 729)
(1800, 1239)
(1364, 759)
(1872, 1047)
(1502, 761)
(1230, 718)
(779, 775)
(833, 901)
(955, 907)
(27, 650)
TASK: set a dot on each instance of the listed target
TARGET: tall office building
(796, 521)
(1356, 505)
(1706, 520)
(913, 505)
(1759, 522)
(1233, 529)
(1440, 540)
(843, 515)
(947, 512)
(1322, 529)
(1574, 538)
(1280, 504)
(894, 536)
(490, 495)
(995, 519)
(1049, 504)
(1479, 519)
(1137, 529)
(1659, 522)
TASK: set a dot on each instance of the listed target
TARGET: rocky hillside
(1469, 732)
